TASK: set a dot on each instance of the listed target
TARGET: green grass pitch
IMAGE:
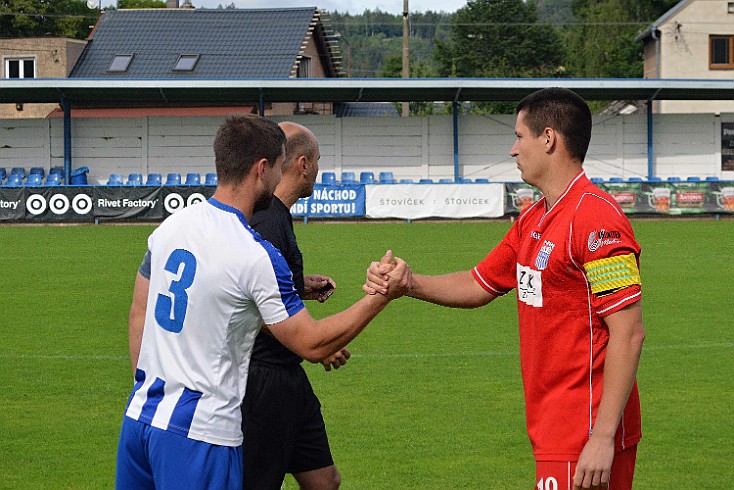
(431, 399)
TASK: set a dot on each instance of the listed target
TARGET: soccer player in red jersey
(574, 262)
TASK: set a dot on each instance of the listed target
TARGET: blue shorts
(152, 458)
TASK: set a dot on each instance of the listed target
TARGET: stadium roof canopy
(229, 92)
(141, 93)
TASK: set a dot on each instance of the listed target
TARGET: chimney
(187, 5)
(172, 4)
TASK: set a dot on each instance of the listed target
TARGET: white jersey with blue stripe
(213, 281)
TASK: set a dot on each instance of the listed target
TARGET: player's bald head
(300, 141)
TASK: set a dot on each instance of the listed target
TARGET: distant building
(186, 43)
(36, 57)
(694, 39)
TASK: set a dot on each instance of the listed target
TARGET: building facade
(693, 40)
(44, 57)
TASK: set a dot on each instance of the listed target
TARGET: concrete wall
(414, 147)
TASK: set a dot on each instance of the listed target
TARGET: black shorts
(283, 426)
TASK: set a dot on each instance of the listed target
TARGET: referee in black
(281, 416)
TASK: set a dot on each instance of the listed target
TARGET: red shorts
(558, 475)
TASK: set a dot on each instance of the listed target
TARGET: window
(186, 62)
(20, 67)
(721, 52)
(120, 62)
(730, 7)
(304, 67)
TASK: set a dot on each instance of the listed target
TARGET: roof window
(186, 62)
(120, 62)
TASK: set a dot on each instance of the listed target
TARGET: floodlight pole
(455, 117)
(66, 107)
(406, 64)
(650, 147)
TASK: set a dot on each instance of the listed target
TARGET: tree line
(506, 38)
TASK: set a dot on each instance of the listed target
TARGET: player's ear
(551, 138)
(259, 167)
(303, 165)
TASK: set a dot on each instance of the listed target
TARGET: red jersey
(571, 266)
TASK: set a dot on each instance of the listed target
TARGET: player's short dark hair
(562, 110)
(243, 140)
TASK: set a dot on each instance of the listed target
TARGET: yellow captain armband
(613, 273)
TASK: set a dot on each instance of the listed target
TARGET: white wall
(413, 147)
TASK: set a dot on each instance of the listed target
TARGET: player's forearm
(455, 290)
(135, 338)
(620, 370)
(136, 318)
(335, 332)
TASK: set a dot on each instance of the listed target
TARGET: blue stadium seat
(78, 176)
(673, 179)
(654, 179)
(616, 179)
(366, 178)
(634, 179)
(56, 170)
(14, 180)
(18, 171)
(173, 179)
(597, 180)
(387, 178)
(134, 179)
(328, 178)
(38, 170)
(445, 181)
(349, 178)
(425, 181)
(712, 178)
(193, 179)
(34, 180)
(481, 180)
(211, 179)
(693, 179)
(154, 179)
(115, 179)
(465, 180)
(53, 179)
(406, 181)
(3, 174)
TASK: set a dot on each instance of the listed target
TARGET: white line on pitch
(719, 345)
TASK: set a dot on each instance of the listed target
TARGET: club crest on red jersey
(541, 260)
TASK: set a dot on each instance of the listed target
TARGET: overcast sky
(351, 6)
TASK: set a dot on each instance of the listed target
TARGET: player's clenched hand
(400, 280)
(318, 287)
(337, 360)
(595, 464)
(377, 278)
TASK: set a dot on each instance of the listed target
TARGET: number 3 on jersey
(165, 305)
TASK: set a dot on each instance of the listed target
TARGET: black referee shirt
(275, 224)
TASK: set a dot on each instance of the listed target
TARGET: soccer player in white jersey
(207, 284)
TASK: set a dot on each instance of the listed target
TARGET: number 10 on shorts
(549, 483)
